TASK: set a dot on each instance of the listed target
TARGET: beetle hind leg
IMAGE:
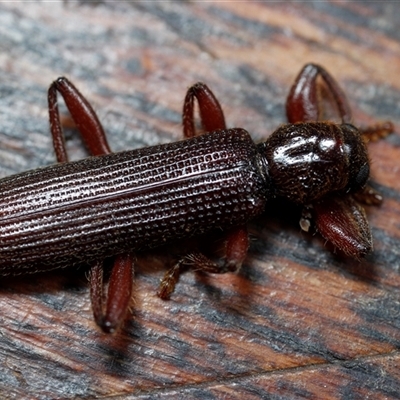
(83, 115)
(109, 314)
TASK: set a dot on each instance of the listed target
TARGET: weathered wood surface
(297, 321)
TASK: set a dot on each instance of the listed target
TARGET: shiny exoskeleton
(116, 204)
(57, 216)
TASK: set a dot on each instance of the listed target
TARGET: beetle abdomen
(100, 206)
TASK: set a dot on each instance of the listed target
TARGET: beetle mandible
(115, 204)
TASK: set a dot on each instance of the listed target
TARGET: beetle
(115, 204)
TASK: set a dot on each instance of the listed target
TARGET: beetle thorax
(308, 160)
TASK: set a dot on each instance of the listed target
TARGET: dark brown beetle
(113, 205)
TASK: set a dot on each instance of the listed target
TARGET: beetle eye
(361, 179)
(358, 157)
(351, 128)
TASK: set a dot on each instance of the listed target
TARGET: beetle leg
(169, 280)
(303, 103)
(109, 318)
(83, 116)
(339, 219)
(211, 114)
(342, 221)
(237, 242)
(120, 282)
(236, 246)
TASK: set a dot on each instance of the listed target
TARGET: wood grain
(298, 321)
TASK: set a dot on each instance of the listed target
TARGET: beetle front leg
(339, 219)
(342, 221)
(110, 313)
(303, 103)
